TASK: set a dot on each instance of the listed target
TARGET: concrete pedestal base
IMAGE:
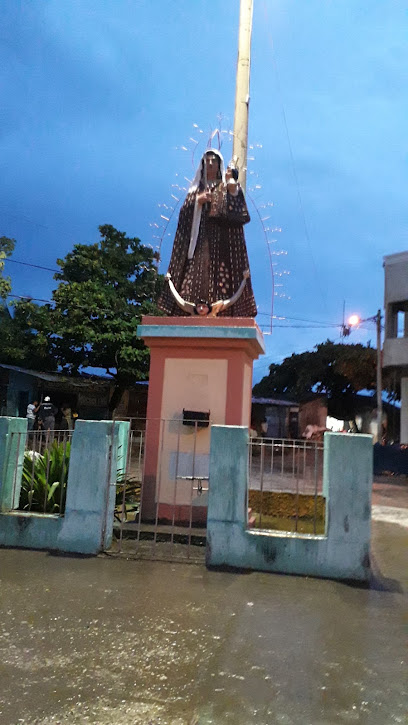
(201, 365)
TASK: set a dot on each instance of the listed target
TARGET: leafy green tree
(25, 338)
(339, 371)
(6, 249)
(104, 290)
(22, 340)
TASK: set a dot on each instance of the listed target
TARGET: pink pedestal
(197, 364)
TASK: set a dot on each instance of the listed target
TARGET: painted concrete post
(342, 553)
(13, 433)
(227, 500)
(98, 456)
(98, 450)
(348, 480)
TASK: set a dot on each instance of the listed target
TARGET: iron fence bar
(272, 457)
(301, 463)
(283, 457)
(142, 484)
(64, 451)
(125, 479)
(315, 491)
(158, 484)
(47, 473)
(262, 461)
(140, 449)
(16, 467)
(296, 500)
(192, 490)
(30, 497)
(250, 460)
(175, 485)
(108, 483)
(304, 460)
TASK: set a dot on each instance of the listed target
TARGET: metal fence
(161, 496)
(285, 485)
(41, 462)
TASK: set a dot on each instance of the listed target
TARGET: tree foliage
(339, 371)
(103, 291)
(25, 338)
(6, 249)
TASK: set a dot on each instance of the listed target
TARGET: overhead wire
(30, 264)
(313, 324)
(292, 159)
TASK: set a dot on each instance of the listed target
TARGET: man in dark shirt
(46, 414)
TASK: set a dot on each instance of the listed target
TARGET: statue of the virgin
(209, 263)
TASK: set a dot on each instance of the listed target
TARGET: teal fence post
(13, 433)
(348, 481)
(227, 500)
(98, 451)
(342, 553)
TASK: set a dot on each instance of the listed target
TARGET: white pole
(379, 378)
(240, 143)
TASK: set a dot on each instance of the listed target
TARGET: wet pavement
(103, 640)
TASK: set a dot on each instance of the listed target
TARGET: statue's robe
(217, 267)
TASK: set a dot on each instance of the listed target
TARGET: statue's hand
(167, 276)
(247, 274)
(216, 307)
(203, 197)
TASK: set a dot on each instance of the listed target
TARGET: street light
(354, 321)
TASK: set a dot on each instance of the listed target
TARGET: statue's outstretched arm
(183, 304)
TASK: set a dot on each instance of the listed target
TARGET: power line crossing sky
(99, 97)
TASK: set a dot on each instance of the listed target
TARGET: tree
(104, 290)
(26, 336)
(6, 249)
(339, 371)
(21, 339)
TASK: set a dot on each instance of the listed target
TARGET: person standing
(66, 422)
(32, 409)
(46, 414)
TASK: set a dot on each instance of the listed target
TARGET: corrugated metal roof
(275, 401)
(59, 377)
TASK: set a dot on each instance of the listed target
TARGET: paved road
(102, 641)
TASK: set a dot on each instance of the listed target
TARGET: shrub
(44, 479)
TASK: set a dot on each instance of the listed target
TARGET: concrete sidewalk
(390, 500)
(102, 641)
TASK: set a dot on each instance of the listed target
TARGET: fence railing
(285, 485)
(161, 504)
(41, 464)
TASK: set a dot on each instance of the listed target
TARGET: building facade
(395, 350)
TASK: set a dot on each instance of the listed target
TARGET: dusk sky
(99, 97)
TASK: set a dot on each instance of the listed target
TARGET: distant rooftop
(274, 401)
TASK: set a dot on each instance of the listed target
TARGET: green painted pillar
(98, 453)
(13, 434)
(348, 480)
(227, 499)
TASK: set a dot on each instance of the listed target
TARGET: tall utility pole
(379, 377)
(240, 143)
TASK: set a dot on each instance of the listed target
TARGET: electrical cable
(30, 264)
(292, 159)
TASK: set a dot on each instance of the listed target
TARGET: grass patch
(282, 511)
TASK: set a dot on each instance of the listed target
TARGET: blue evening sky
(99, 97)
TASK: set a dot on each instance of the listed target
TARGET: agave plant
(127, 503)
(44, 479)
